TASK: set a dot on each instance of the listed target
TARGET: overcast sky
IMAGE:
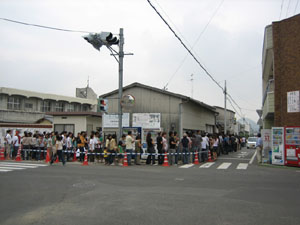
(57, 62)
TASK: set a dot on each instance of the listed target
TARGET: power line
(296, 7)
(281, 9)
(182, 43)
(198, 38)
(287, 11)
(45, 27)
(189, 51)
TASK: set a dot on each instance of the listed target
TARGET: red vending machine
(292, 146)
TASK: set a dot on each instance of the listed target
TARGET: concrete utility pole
(121, 57)
(225, 109)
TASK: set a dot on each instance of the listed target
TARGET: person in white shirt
(69, 145)
(204, 145)
(8, 142)
(15, 144)
(129, 146)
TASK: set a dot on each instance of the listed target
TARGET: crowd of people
(110, 151)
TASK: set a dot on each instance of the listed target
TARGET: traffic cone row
(196, 162)
(57, 158)
(74, 156)
(85, 162)
(125, 162)
(48, 156)
(2, 157)
(166, 162)
(18, 158)
(209, 157)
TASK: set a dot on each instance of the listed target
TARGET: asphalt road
(98, 194)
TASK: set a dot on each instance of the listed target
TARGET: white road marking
(2, 170)
(12, 168)
(242, 166)
(187, 166)
(253, 157)
(224, 166)
(25, 164)
(207, 165)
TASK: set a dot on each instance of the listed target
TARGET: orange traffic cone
(209, 157)
(57, 158)
(125, 162)
(18, 158)
(196, 162)
(48, 156)
(74, 156)
(2, 157)
(85, 162)
(166, 162)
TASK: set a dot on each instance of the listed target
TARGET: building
(63, 112)
(230, 120)
(177, 112)
(281, 73)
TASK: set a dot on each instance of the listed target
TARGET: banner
(112, 120)
(146, 120)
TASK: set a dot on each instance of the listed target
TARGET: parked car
(251, 142)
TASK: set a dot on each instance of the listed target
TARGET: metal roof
(183, 97)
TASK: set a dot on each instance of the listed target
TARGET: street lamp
(107, 39)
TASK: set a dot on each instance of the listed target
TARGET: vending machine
(292, 146)
(278, 146)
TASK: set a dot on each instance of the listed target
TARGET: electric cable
(287, 10)
(281, 9)
(45, 27)
(189, 51)
(296, 7)
(198, 38)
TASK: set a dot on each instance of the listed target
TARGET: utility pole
(121, 57)
(225, 109)
(107, 39)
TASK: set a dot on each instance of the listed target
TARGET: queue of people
(110, 151)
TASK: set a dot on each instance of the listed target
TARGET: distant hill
(253, 124)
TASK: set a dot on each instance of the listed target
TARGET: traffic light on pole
(103, 103)
(94, 40)
(108, 38)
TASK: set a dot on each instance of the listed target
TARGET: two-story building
(22, 108)
(281, 74)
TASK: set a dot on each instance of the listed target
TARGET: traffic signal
(94, 40)
(108, 38)
(103, 105)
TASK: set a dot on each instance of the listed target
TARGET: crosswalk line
(187, 166)
(4, 170)
(242, 166)
(12, 168)
(24, 164)
(207, 165)
(224, 166)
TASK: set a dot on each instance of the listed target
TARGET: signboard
(146, 120)
(293, 101)
(266, 137)
(278, 146)
(112, 120)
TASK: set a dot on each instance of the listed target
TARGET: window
(13, 103)
(59, 107)
(45, 106)
(64, 127)
(85, 108)
(28, 105)
(71, 108)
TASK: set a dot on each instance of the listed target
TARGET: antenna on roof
(88, 81)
